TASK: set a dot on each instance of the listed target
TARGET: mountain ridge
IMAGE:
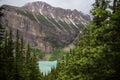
(45, 27)
(47, 10)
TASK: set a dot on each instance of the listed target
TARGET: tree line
(97, 57)
(16, 61)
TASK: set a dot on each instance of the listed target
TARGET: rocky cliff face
(57, 13)
(44, 26)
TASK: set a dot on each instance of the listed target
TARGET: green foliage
(80, 25)
(32, 66)
(43, 20)
(56, 43)
(65, 25)
(56, 23)
(57, 55)
(17, 63)
(26, 13)
(38, 53)
(98, 53)
(96, 58)
(2, 30)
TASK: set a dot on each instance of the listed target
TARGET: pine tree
(27, 62)
(97, 55)
(32, 66)
(1, 33)
(99, 11)
(35, 72)
(18, 59)
(22, 47)
(28, 53)
(2, 60)
(114, 38)
(9, 55)
(2, 29)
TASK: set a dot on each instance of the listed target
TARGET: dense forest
(97, 56)
(16, 61)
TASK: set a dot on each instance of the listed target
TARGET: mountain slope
(43, 26)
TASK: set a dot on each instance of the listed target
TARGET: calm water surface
(45, 66)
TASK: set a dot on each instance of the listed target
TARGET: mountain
(44, 26)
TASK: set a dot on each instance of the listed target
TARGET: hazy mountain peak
(56, 12)
(37, 4)
(46, 27)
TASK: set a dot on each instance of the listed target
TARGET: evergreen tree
(9, 55)
(114, 38)
(18, 60)
(28, 54)
(99, 11)
(2, 30)
(97, 56)
(32, 66)
(35, 73)
(2, 60)
(14, 64)
(22, 47)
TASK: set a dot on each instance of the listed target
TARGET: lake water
(45, 66)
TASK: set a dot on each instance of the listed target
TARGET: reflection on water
(45, 66)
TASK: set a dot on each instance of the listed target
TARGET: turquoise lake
(46, 66)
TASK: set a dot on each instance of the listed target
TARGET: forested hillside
(97, 56)
(16, 61)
